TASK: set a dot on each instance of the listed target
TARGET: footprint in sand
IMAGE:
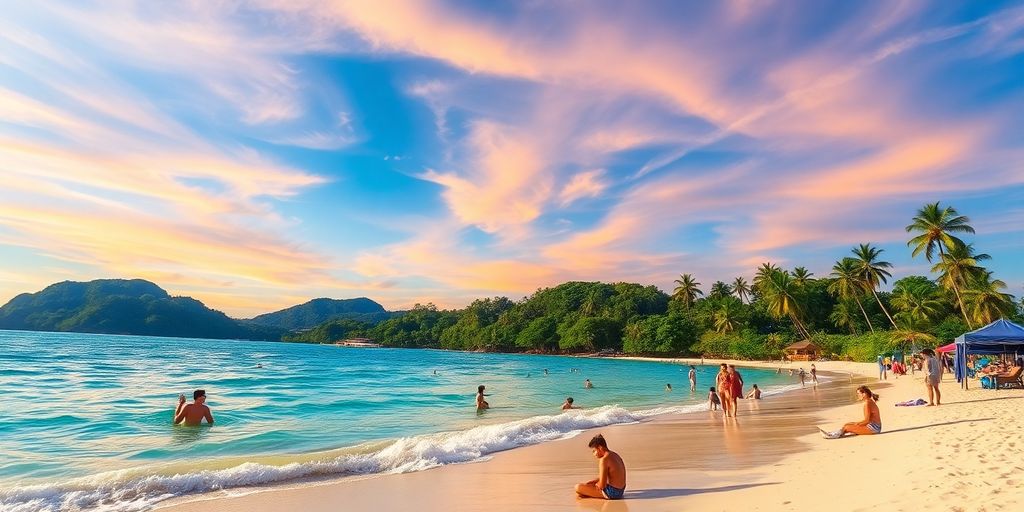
(1011, 482)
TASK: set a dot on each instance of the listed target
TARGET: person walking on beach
(814, 375)
(481, 404)
(883, 374)
(803, 378)
(724, 387)
(610, 483)
(735, 388)
(193, 413)
(870, 425)
(932, 376)
(693, 378)
(568, 404)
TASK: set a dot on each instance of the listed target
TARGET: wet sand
(965, 455)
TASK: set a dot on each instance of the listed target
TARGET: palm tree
(988, 303)
(741, 288)
(727, 315)
(780, 292)
(957, 267)
(719, 289)
(873, 272)
(843, 316)
(916, 303)
(848, 285)
(687, 291)
(935, 225)
(764, 273)
(801, 276)
(910, 333)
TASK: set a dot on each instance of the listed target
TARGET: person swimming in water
(755, 393)
(568, 404)
(668, 388)
(194, 413)
(587, 384)
(481, 404)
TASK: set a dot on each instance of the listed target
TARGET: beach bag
(988, 382)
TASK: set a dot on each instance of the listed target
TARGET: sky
(255, 155)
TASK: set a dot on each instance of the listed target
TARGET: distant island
(845, 314)
(318, 311)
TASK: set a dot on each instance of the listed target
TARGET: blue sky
(258, 154)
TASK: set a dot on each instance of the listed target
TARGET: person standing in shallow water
(724, 387)
(693, 378)
(481, 404)
(194, 413)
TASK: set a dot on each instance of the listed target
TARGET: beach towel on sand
(911, 403)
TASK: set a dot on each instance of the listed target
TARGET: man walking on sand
(932, 376)
(610, 483)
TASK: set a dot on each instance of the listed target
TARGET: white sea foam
(133, 490)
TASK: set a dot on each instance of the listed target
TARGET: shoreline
(771, 460)
(836, 380)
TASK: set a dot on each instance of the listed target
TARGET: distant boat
(358, 342)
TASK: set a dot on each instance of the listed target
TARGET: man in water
(755, 393)
(610, 483)
(587, 384)
(481, 404)
(568, 404)
(803, 377)
(693, 378)
(193, 413)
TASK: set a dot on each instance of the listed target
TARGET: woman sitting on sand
(871, 424)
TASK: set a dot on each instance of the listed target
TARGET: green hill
(122, 306)
(318, 311)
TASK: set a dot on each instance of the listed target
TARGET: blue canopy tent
(999, 337)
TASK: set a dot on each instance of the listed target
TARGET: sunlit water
(85, 419)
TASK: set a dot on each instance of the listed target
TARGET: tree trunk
(956, 291)
(865, 313)
(879, 299)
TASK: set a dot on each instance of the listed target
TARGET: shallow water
(86, 418)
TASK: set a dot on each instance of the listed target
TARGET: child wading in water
(871, 424)
(713, 400)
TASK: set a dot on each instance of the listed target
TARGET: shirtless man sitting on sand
(610, 483)
(193, 413)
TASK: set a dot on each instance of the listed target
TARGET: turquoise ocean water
(85, 419)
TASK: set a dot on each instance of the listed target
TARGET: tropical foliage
(846, 312)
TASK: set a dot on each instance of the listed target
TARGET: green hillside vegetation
(118, 306)
(844, 312)
(318, 311)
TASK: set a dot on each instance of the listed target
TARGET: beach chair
(1010, 380)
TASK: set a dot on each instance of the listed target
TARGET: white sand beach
(966, 454)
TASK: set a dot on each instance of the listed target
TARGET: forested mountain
(122, 306)
(318, 311)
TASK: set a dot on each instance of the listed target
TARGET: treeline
(844, 312)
